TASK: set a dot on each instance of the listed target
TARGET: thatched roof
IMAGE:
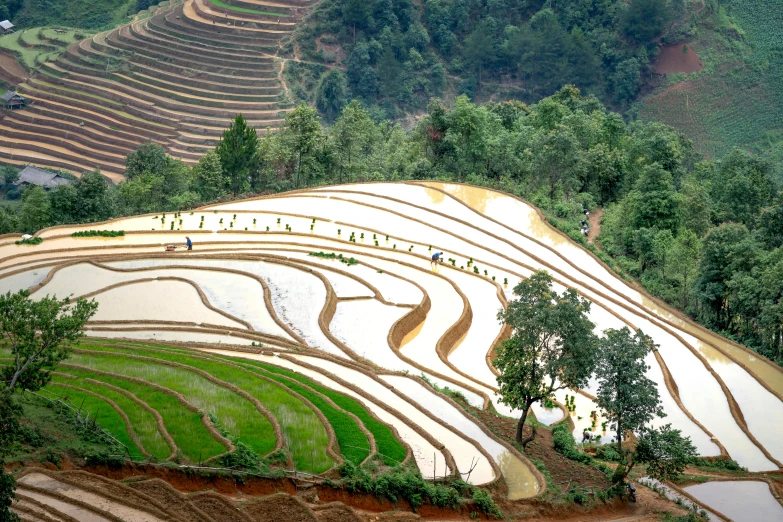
(40, 177)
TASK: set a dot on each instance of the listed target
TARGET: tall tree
(552, 345)
(237, 150)
(628, 397)
(38, 333)
(351, 133)
(35, 211)
(645, 19)
(304, 131)
(331, 96)
(149, 157)
(209, 180)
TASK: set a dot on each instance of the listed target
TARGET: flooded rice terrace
(337, 284)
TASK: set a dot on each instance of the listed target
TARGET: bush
(608, 452)
(565, 444)
(30, 241)
(485, 503)
(99, 233)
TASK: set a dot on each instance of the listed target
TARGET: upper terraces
(176, 78)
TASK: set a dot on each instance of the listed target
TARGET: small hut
(6, 27)
(40, 177)
(13, 100)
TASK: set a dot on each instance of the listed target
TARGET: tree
(552, 345)
(35, 332)
(557, 158)
(351, 133)
(628, 397)
(38, 333)
(331, 96)
(655, 201)
(149, 157)
(645, 19)
(35, 212)
(665, 451)
(479, 50)
(237, 150)
(209, 181)
(304, 130)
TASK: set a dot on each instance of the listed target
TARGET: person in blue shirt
(436, 258)
(190, 243)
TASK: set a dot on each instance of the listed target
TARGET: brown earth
(10, 70)
(562, 470)
(672, 60)
(594, 220)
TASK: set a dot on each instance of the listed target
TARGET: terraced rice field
(177, 78)
(275, 337)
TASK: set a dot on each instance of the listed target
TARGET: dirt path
(594, 220)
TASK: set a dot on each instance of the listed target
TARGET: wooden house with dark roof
(13, 100)
(40, 177)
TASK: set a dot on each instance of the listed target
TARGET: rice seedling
(142, 420)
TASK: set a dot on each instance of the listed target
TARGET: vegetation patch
(30, 241)
(98, 233)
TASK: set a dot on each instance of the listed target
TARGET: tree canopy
(552, 345)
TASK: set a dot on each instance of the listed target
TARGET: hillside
(176, 78)
(334, 323)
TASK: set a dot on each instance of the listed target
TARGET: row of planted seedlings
(286, 397)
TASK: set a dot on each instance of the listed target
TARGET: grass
(737, 100)
(238, 415)
(50, 434)
(143, 422)
(47, 44)
(354, 445)
(185, 427)
(87, 14)
(302, 429)
(224, 5)
(390, 449)
(99, 411)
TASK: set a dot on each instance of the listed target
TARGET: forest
(399, 54)
(704, 235)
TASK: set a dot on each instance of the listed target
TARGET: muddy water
(529, 222)
(522, 483)
(429, 460)
(364, 326)
(238, 295)
(742, 501)
(23, 280)
(547, 416)
(298, 297)
(120, 510)
(158, 300)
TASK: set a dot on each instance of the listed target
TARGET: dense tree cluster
(400, 53)
(707, 236)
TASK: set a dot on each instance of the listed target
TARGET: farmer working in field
(436, 258)
(190, 243)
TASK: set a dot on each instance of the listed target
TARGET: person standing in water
(190, 243)
(436, 258)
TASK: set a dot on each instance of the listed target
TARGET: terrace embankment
(177, 78)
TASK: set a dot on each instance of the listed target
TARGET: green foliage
(665, 451)
(30, 241)
(628, 397)
(99, 233)
(38, 333)
(406, 483)
(331, 97)
(565, 444)
(717, 464)
(484, 502)
(87, 14)
(238, 153)
(552, 346)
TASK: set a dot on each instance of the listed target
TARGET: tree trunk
(521, 424)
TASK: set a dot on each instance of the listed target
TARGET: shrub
(608, 452)
(565, 444)
(485, 503)
(330, 255)
(99, 233)
(30, 241)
